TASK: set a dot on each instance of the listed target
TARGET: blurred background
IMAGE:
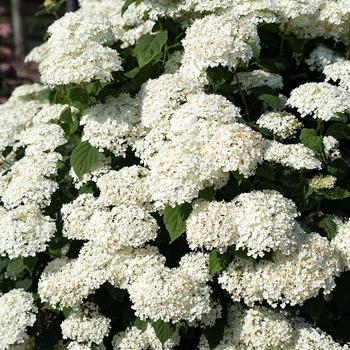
(23, 25)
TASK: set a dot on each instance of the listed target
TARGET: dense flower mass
(320, 100)
(256, 221)
(287, 279)
(86, 325)
(281, 124)
(262, 328)
(179, 179)
(17, 312)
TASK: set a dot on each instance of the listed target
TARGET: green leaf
(295, 43)
(24, 284)
(15, 266)
(29, 263)
(163, 330)
(256, 51)
(7, 151)
(149, 46)
(272, 100)
(218, 261)
(267, 95)
(84, 158)
(238, 176)
(309, 138)
(340, 131)
(3, 264)
(339, 117)
(335, 193)
(329, 226)
(141, 325)
(308, 193)
(69, 122)
(242, 254)
(67, 311)
(215, 333)
(339, 168)
(175, 219)
(86, 189)
(218, 76)
(273, 64)
(79, 94)
(266, 171)
(132, 73)
(314, 308)
(207, 193)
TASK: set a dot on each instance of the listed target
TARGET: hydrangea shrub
(179, 179)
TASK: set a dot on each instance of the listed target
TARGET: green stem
(320, 126)
(281, 46)
(166, 53)
(4, 160)
(245, 104)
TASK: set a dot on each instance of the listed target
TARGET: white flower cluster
(296, 156)
(15, 116)
(185, 140)
(173, 64)
(258, 78)
(136, 339)
(260, 328)
(320, 100)
(194, 145)
(28, 180)
(305, 18)
(229, 43)
(127, 265)
(128, 186)
(121, 226)
(66, 282)
(17, 312)
(288, 279)
(28, 91)
(74, 345)
(86, 325)
(338, 72)
(331, 147)
(321, 57)
(185, 294)
(24, 231)
(159, 98)
(281, 124)
(342, 240)
(320, 182)
(257, 221)
(75, 51)
(109, 125)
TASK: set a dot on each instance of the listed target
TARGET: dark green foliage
(175, 219)
(84, 158)
(163, 330)
(149, 47)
